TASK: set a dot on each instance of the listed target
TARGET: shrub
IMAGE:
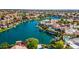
(4, 45)
(59, 44)
(32, 43)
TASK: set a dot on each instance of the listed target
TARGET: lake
(24, 31)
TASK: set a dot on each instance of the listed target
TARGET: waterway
(24, 31)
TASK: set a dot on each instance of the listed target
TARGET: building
(19, 45)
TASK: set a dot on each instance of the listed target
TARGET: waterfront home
(8, 20)
(48, 22)
(3, 24)
(19, 45)
(53, 24)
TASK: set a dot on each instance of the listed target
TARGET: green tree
(4, 45)
(56, 44)
(32, 43)
(59, 44)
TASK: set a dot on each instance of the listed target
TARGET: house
(70, 31)
(19, 45)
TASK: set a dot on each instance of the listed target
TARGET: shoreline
(5, 29)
